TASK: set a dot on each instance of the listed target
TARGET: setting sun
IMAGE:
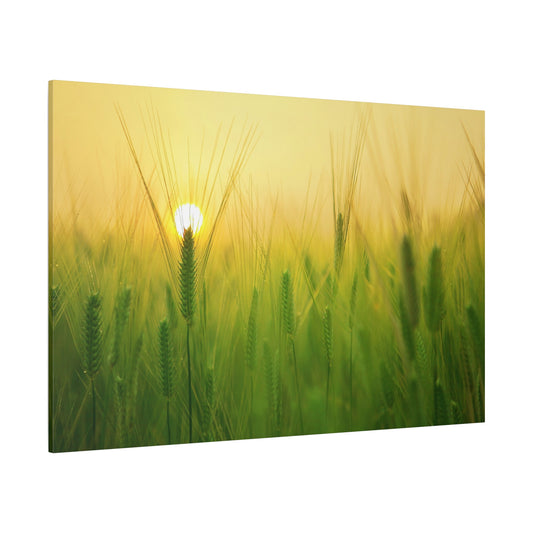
(188, 216)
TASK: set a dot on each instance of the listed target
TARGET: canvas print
(230, 266)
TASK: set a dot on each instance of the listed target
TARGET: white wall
(450, 54)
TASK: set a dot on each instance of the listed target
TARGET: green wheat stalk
(272, 379)
(440, 405)
(121, 314)
(351, 325)
(251, 333)
(166, 368)
(187, 286)
(203, 310)
(340, 245)
(289, 326)
(134, 388)
(54, 295)
(328, 342)
(251, 348)
(409, 282)
(424, 373)
(433, 293)
(120, 401)
(287, 304)
(423, 364)
(209, 404)
(476, 334)
(92, 342)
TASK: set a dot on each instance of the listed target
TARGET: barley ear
(251, 338)
(120, 407)
(340, 243)
(287, 304)
(187, 275)
(166, 370)
(353, 300)
(328, 335)
(92, 336)
(121, 314)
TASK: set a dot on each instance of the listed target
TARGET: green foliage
(422, 358)
(209, 405)
(457, 414)
(440, 415)
(54, 301)
(406, 328)
(366, 265)
(120, 408)
(477, 334)
(387, 385)
(376, 369)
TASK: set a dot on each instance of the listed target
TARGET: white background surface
(450, 54)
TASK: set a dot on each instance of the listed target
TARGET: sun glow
(188, 216)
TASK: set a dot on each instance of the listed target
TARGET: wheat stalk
(251, 333)
(409, 281)
(440, 406)
(120, 401)
(289, 326)
(433, 293)
(166, 367)
(251, 349)
(272, 386)
(209, 404)
(340, 243)
(92, 347)
(328, 342)
(187, 285)
(121, 314)
(351, 325)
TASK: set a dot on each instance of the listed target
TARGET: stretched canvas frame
(227, 266)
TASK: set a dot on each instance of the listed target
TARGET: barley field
(234, 266)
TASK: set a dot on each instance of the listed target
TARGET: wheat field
(301, 267)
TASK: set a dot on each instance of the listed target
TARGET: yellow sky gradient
(424, 150)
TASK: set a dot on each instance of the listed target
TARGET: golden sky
(422, 149)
